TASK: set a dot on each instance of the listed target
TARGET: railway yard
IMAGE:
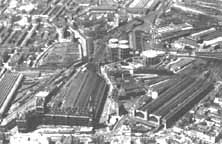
(110, 72)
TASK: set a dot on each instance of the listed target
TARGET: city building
(205, 134)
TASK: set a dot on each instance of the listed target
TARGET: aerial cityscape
(111, 72)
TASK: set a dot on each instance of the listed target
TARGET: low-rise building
(209, 135)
